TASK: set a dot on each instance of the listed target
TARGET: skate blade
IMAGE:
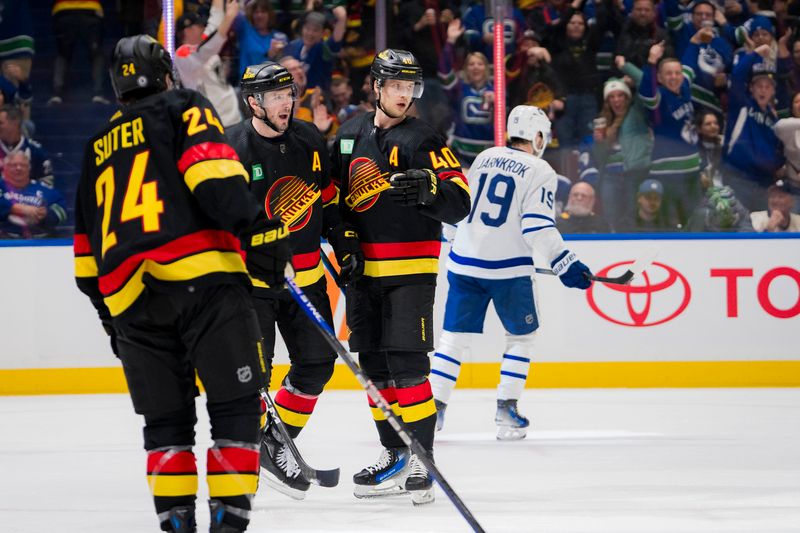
(511, 433)
(272, 481)
(422, 497)
(378, 491)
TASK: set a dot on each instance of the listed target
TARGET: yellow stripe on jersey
(85, 267)
(184, 269)
(172, 485)
(292, 418)
(303, 278)
(213, 169)
(378, 415)
(400, 267)
(460, 183)
(222, 485)
(418, 412)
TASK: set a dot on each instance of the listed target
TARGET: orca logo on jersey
(292, 199)
(656, 296)
(366, 184)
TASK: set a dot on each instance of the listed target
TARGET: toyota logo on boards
(654, 297)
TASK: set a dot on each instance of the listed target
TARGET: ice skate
(181, 519)
(279, 469)
(510, 424)
(419, 483)
(386, 477)
(217, 511)
(440, 407)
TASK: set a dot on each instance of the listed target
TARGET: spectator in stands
(649, 215)
(198, 62)
(257, 40)
(15, 89)
(27, 209)
(74, 23)
(621, 147)
(471, 95)
(666, 93)
(794, 80)
(531, 79)
(310, 105)
(545, 16)
(574, 48)
(720, 211)
(423, 29)
(12, 139)
(16, 36)
(709, 146)
(578, 215)
(314, 50)
(752, 152)
(341, 99)
(708, 56)
(788, 132)
(779, 215)
(640, 32)
(479, 29)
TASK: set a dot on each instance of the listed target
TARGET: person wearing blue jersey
(27, 209)
(492, 260)
(665, 92)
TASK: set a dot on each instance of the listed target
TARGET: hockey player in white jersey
(492, 260)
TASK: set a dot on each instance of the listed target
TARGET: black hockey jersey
(161, 200)
(291, 177)
(400, 244)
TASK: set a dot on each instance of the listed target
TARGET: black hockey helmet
(264, 77)
(139, 66)
(394, 64)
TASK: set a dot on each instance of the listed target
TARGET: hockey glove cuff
(571, 271)
(344, 240)
(268, 251)
(414, 187)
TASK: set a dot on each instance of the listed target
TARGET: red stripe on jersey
(388, 395)
(328, 193)
(396, 250)
(81, 245)
(204, 151)
(416, 394)
(171, 462)
(452, 174)
(293, 402)
(305, 261)
(169, 252)
(230, 460)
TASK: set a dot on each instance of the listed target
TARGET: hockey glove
(571, 272)
(344, 240)
(414, 187)
(268, 251)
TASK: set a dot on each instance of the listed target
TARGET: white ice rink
(611, 460)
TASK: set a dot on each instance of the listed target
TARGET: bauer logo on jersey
(257, 172)
(292, 199)
(346, 146)
(366, 184)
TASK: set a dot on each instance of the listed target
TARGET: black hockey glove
(571, 271)
(344, 240)
(414, 187)
(268, 251)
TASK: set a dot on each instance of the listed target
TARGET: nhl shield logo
(244, 374)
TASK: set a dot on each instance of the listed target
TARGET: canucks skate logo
(366, 184)
(292, 199)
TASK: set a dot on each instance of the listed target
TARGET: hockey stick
(330, 268)
(397, 424)
(626, 277)
(323, 478)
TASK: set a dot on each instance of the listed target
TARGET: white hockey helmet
(526, 122)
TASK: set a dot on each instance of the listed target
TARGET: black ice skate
(279, 469)
(181, 519)
(386, 477)
(419, 483)
(440, 407)
(510, 424)
(218, 510)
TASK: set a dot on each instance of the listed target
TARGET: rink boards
(709, 312)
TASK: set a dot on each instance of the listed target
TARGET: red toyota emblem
(656, 296)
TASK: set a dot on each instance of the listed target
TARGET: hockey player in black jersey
(398, 182)
(161, 206)
(290, 168)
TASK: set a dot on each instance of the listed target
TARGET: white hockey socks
(446, 364)
(515, 365)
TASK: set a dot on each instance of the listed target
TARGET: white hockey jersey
(512, 213)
